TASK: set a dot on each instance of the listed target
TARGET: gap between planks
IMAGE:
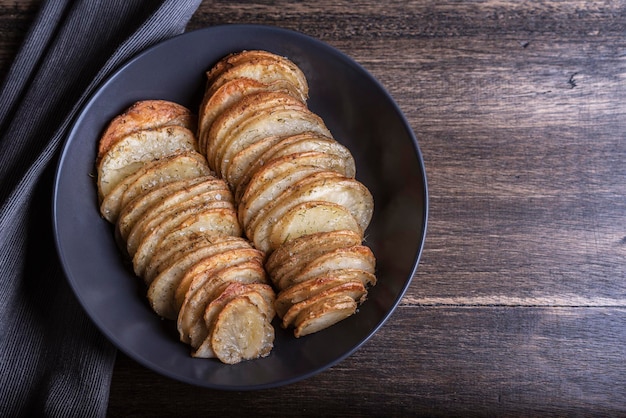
(565, 301)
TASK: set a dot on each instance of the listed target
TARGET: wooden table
(518, 306)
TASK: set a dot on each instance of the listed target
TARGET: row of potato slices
(178, 224)
(294, 185)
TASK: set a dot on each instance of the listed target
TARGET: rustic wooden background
(518, 307)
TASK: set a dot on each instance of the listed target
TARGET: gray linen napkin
(53, 361)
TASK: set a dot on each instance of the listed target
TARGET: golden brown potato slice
(295, 255)
(145, 114)
(162, 289)
(242, 278)
(131, 152)
(358, 257)
(176, 245)
(215, 220)
(353, 289)
(142, 205)
(311, 141)
(265, 69)
(278, 176)
(230, 93)
(295, 144)
(199, 273)
(181, 166)
(309, 218)
(294, 251)
(202, 194)
(233, 59)
(335, 188)
(323, 314)
(243, 130)
(284, 121)
(236, 114)
(260, 294)
(318, 285)
(241, 332)
(191, 324)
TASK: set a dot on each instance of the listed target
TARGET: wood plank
(431, 360)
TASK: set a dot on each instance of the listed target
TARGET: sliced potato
(358, 257)
(280, 175)
(266, 69)
(294, 256)
(181, 166)
(318, 285)
(145, 114)
(214, 220)
(353, 289)
(241, 332)
(324, 314)
(191, 325)
(234, 59)
(199, 273)
(137, 208)
(234, 115)
(162, 290)
(238, 132)
(130, 153)
(311, 141)
(208, 194)
(181, 242)
(273, 122)
(309, 218)
(291, 145)
(328, 187)
(228, 94)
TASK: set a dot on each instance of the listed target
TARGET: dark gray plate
(359, 113)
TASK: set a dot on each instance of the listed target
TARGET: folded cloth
(53, 360)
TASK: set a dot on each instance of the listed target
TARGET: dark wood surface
(518, 307)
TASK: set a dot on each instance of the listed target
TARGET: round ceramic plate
(358, 112)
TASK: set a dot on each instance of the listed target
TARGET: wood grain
(518, 307)
(443, 361)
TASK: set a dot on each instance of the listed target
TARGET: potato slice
(309, 218)
(213, 220)
(337, 189)
(209, 194)
(185, 165)
(294, 144)
(353, 289)
(265, 69)
(278, 176)
(323, 314)
(145, 114)
(137, 208)
(230, 93)
(273, 122)
(235, 132)
(179, 243)
(199, 273)
(162, 290)
(234, 59)
(234, 115)
(241, 332)
(190, 324)
(260, 294)
(318, 285)
(130, 153)
(357, 257)
(295, 255)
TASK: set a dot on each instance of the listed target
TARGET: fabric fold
(53, 360)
